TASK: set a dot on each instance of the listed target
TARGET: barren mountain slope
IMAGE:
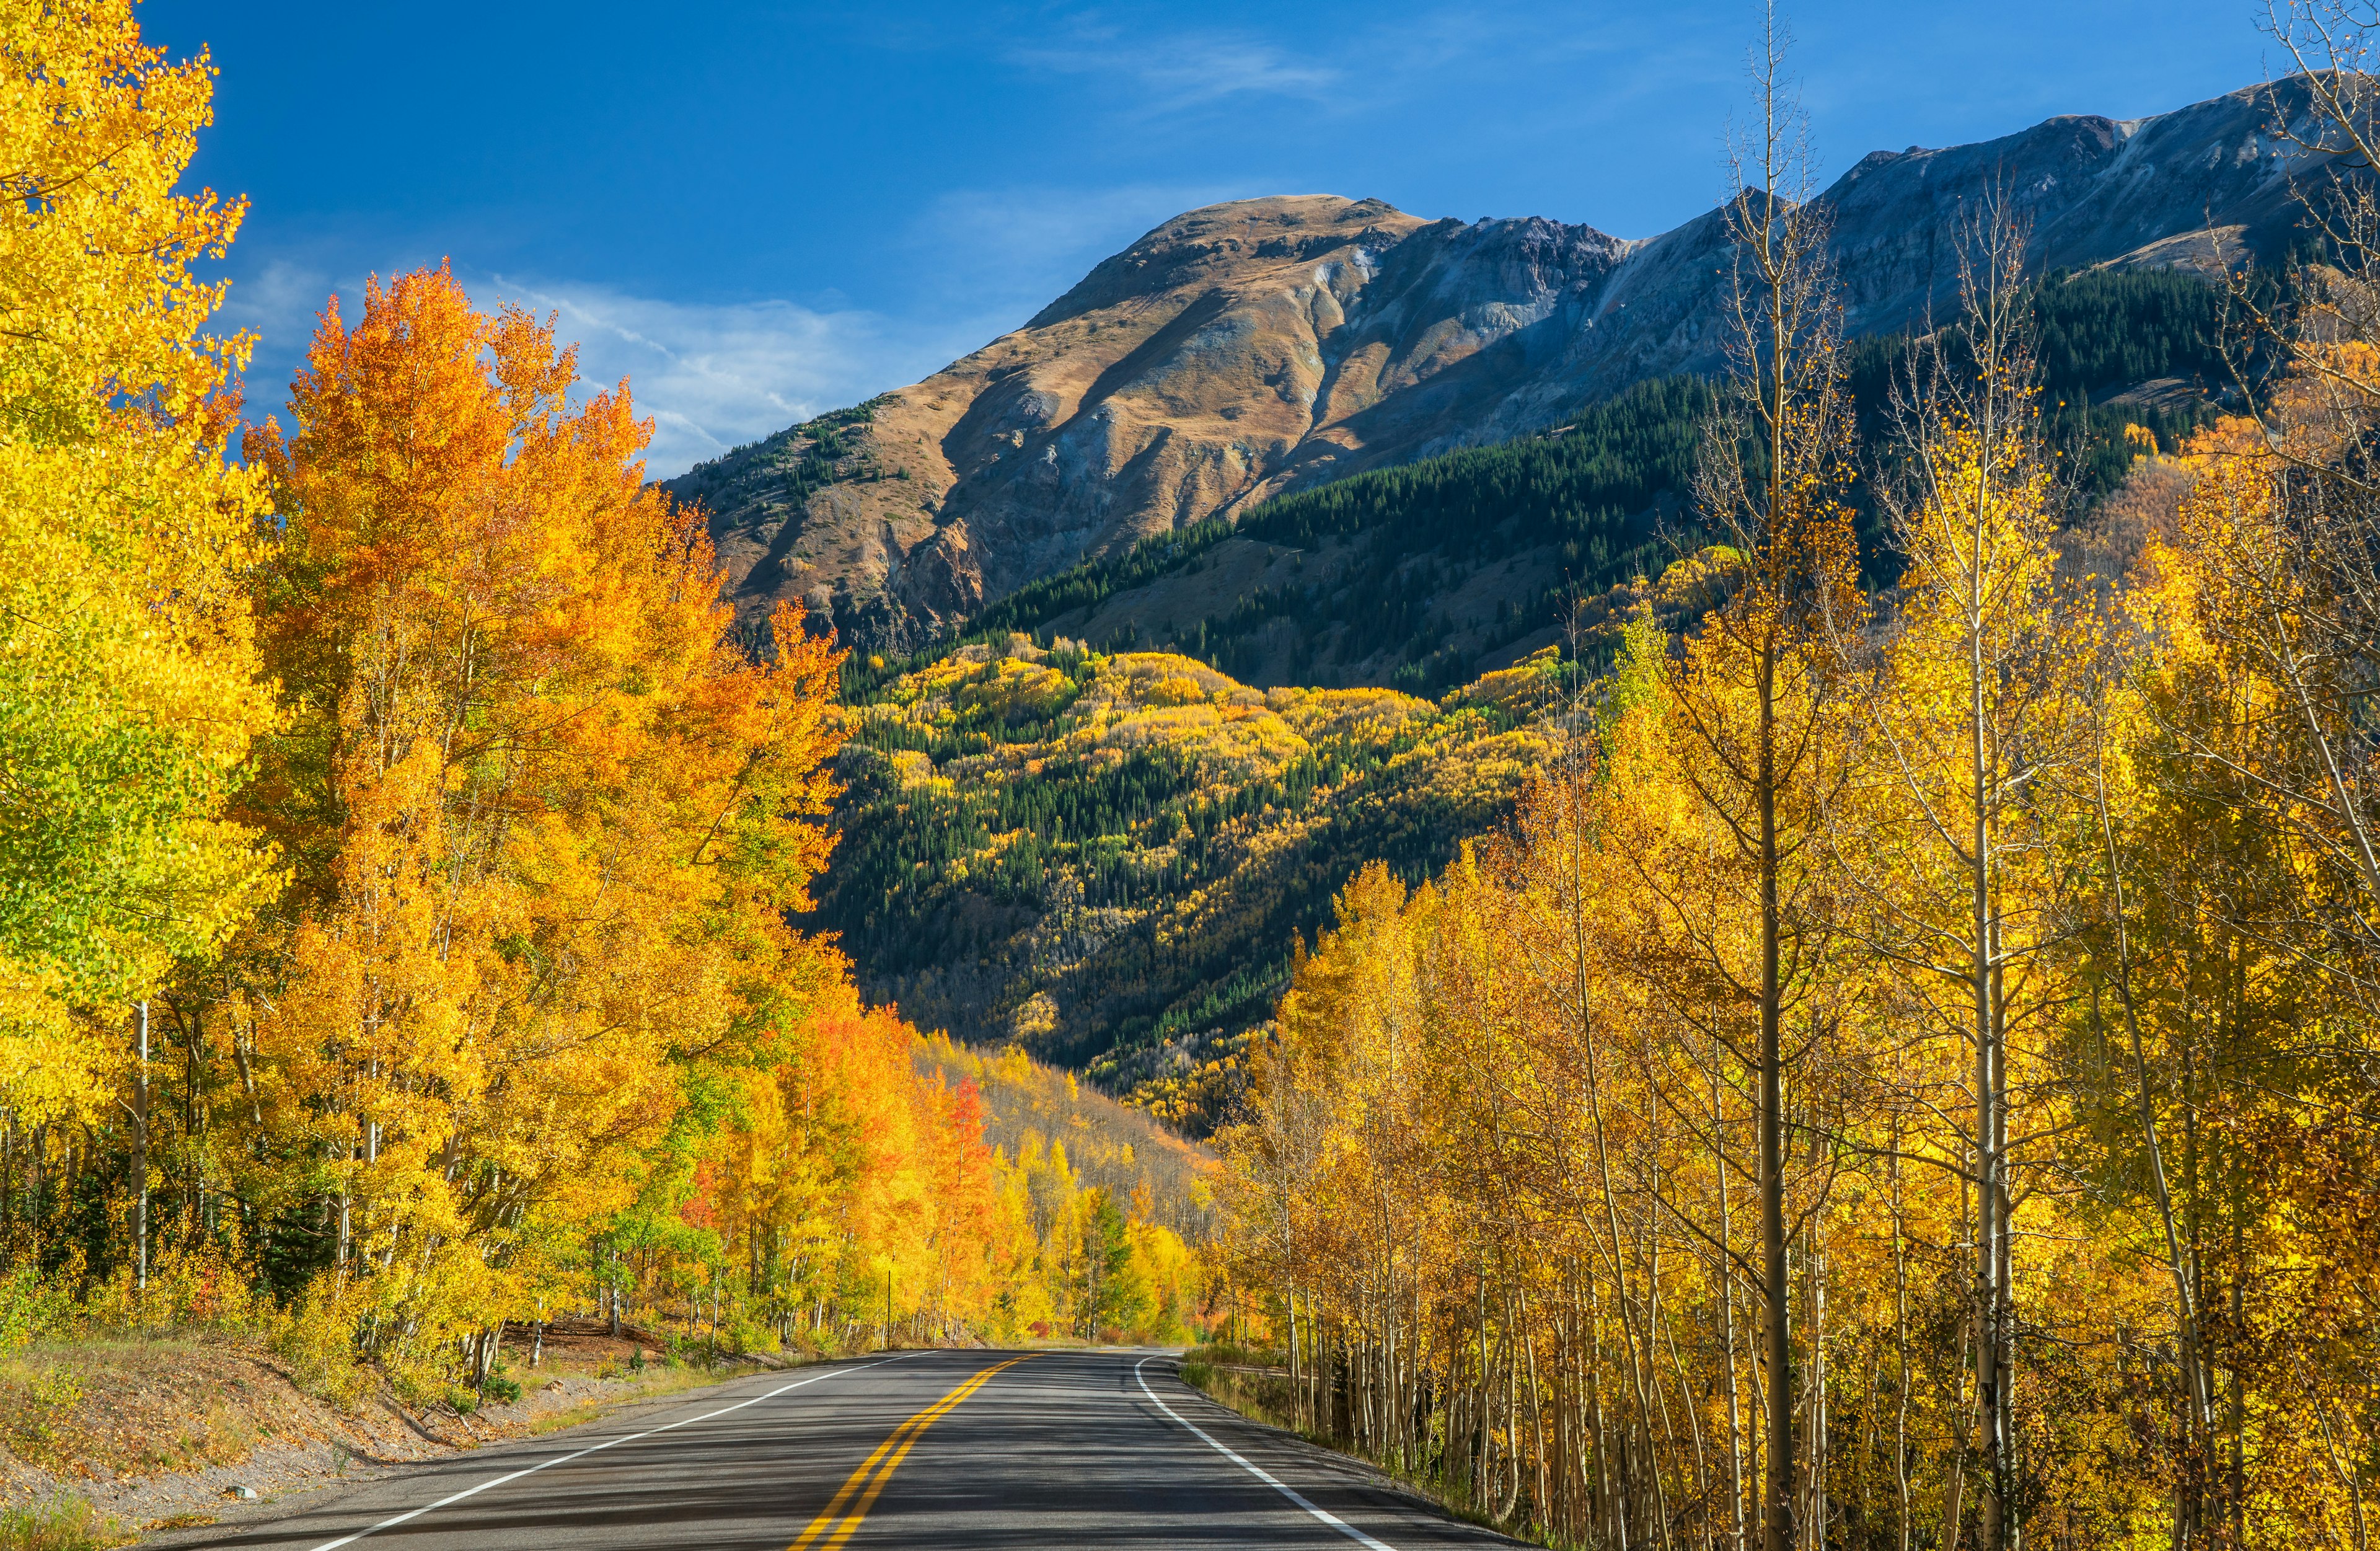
(1254, 348)
(1213, 361)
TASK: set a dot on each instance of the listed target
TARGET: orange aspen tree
(548, 818)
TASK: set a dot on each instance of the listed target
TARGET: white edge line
(590, 1448)
(1344, 1528)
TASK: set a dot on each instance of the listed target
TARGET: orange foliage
(536, 981)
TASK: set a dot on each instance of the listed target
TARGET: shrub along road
(946, 1449)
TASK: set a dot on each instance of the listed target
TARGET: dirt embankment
(164, 1433)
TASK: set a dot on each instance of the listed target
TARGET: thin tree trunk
(1778, 1533)
(139, 1161)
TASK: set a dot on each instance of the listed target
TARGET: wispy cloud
(710, 376)
(714, 377)
(1178, 70)
(1025, 244)
(278, 304)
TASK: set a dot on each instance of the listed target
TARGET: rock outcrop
(1257, 347)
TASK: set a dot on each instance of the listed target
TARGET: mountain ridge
(1263, 346)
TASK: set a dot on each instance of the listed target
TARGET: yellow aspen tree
(2168, 842)
(1980, 735)
(1752, 695)
(2252, 942)
(129, 682)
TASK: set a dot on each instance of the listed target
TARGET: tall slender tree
(1978, 731)
(128, 690)
(1754, 692)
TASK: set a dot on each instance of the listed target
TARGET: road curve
(952, 1450)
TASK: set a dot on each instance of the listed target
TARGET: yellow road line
(836, 1525)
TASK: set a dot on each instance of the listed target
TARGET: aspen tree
(528, 1020)
(547, 816)
(129, 670)
(1752, 692)
(2123, 744)
(1978, 725)
(2249, 941)
(2297, 593)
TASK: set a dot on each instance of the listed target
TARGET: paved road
(954, 1451)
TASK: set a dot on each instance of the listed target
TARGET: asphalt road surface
(954, 1451)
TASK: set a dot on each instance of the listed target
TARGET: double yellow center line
(833, 1527)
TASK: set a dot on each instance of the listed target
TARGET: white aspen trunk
(141, 1159)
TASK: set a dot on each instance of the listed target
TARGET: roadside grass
(661, 1380)
(139, 1406)
(38, 1401)
(68, 1524)
(168, 1412)
(1247, 1381)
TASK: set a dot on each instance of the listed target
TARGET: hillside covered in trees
(1105, 858)
(2073, 1094)
(1044, 840)
(1906, 1076)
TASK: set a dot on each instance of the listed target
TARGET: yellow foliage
(128, 666)
(2063, 903)
(523, 1025)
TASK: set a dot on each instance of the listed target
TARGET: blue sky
(760, 211)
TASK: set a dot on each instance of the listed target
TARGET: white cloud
(1185, 69)
(715, 375)
(710, 376)
(278, 304)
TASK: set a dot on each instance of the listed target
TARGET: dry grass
(1249, 1384)
(657, 1383)
(100, 1435)
(1259, 1393)
(67, 1525)
(140, 1408)
(114, 1409)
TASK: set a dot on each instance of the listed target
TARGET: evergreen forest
(1604, 499)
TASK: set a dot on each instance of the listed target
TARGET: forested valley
(1027, 813)
(1790, 964)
